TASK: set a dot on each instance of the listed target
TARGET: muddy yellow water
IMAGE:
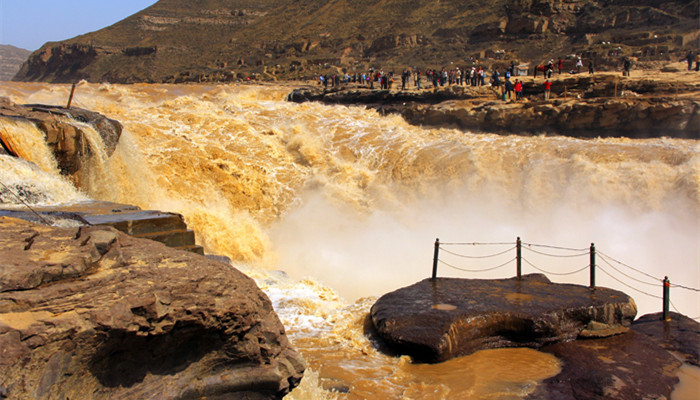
(328, 207)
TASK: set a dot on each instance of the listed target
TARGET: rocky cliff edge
(92, 313)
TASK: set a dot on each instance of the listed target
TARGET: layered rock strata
(228, 40)
(92, 313)
(580, 118)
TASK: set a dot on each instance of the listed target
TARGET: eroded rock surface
(437, 320)
(92, 313)
(64, 135)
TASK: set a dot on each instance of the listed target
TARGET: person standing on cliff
(508, 88)
(495, 81)
(518, 90)
(627, 65)
(560, 65)
(547, 89)
(690, 57)
(590, 67)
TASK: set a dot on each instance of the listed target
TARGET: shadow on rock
(125, 358)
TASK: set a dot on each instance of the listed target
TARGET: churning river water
(328, 207)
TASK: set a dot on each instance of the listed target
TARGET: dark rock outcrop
(92, 313)
(437, 320)
(62, 61)
(378, 98)
(66, 139)
(681, 335)
(580, 118)
(622, 367)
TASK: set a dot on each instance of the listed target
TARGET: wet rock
(92, 313)
(680, 334)
(437, 320)
(621, 367)
(65, 137)
(599, 330)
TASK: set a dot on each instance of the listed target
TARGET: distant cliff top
(11, 58)
(226, 40)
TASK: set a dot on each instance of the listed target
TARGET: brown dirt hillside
(224, 40)
(11, 58)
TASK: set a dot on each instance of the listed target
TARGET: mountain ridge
(225, 40)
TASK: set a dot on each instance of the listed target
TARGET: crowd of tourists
(507, 83)
(476, 76)
(433, 78)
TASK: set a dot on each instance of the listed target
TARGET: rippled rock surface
(92, 313)
(437, 320)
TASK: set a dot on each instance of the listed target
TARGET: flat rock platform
(436, 320)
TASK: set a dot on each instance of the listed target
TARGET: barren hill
(11, 58)
(223, 40)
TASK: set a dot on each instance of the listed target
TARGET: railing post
(70, 99)
(667, 298)
(592, 265)
(435, 257)
(518, 257)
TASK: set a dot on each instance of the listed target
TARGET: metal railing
(591, 252)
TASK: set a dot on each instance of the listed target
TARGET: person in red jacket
(518, 90)
(547, 89)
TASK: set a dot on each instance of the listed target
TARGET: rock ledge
(437, 320)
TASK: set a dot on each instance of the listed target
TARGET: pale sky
(29, 24)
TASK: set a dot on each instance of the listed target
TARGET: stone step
(195, 248)
(167, 228)
(174, 238)
(139, 223)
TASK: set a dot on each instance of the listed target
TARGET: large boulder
(435, 320)
(92, 313)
